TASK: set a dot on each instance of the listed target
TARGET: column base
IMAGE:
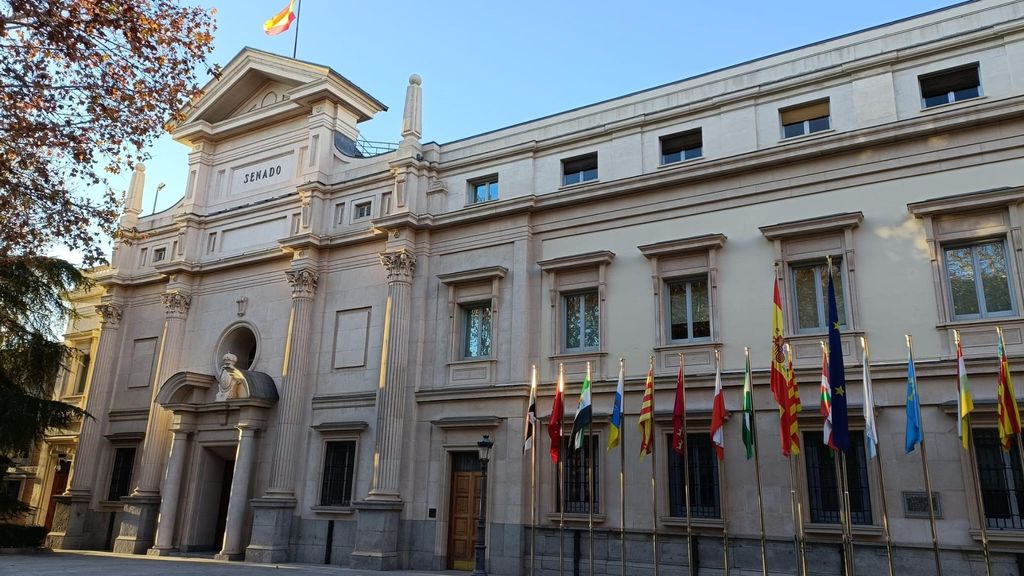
(154, 551)
(230, 557)
(271, 530)
(376, 546)
(68, 528)
(138, 524)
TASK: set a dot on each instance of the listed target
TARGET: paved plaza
(108, 564)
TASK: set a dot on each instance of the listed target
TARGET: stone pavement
(80, 563)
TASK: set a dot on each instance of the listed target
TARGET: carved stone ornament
(303, 281)
(400, 265)
(230, 381)
(110, 314)
(176, 303)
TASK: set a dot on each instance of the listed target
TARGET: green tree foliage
(85, 87)
(34, 294)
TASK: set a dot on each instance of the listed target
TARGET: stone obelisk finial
(412, 117)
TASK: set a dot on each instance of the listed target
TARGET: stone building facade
(382, 309)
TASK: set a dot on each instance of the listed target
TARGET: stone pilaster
(170, 492)
(138, 523)
(244, 457)
(74, 505)
(376, 545)
(272, 513)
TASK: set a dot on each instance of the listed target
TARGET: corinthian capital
(303, 281)
(176, 303)
(400, 265)
(110, 314)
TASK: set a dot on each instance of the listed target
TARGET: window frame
(583, 160)
(159, 254)
(564, 320)
(951, 94)
(682, 152)
(812, 441)
(466, 310)
(675, 503)
(983, 313)
(491, 180)
(594, 446)
(466, 289)
(117, 449)
(821, 295)
(356, 208)
(805, 124)
(346, 431)
(687, 281)
(351, 480)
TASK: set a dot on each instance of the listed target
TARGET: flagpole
(723, 489)
(757, 466)
(561, 477)
(622, 479)
(591, 449)
(881, 476)
(295, 46)
(686, 475)
(533, 482)
(966, 414)
(924, 465)
(798, 515)
(654, 477)
(848, 528)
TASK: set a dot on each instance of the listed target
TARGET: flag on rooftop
(281, 21)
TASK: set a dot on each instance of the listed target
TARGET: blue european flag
(913, 436)
(836, 373)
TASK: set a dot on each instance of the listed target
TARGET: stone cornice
(692, 244)
(474, 275)
(814, 225)
(967, 202)
(596, 258)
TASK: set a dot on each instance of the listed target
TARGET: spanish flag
(281, 21)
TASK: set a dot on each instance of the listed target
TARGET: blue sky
(486, 65)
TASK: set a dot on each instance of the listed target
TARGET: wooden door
(464, 510)
(60, 483)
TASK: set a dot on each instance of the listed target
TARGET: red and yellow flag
(647, 416)
(1006, 400)
(281, 21)
(783, 382)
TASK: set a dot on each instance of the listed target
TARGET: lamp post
(484, 445)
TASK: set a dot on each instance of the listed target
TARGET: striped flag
(647, 416)
(914, 435)
(615, 432)
(530, 426)
(748, 409)
(793, 408)
(826, 399)
(964, 398)
(782, 383)
(1006, 403)
(718, 413)
(870, 430)
(555, 422)
(679, 412)
(281, 21)
(584, 414)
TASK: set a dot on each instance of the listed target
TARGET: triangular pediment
(257, 86)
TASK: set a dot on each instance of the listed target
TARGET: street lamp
(484, 445)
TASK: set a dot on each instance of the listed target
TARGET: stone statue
(229, 379)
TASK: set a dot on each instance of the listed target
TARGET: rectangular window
(579, 169)
(947, 86)
(689, 309)
(159, 254)
(363, 210)
(576, 476)
(822, 479)
(979, 280)
(82, 377)
(704, 495)
(683, 146)
(582, 321)
(483, 190)
(805, 119)
(476, 331)
(1002, 482)
(810, 285)
(339, 472)
(121, 473)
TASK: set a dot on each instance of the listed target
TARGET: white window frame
(487, 181)
(580, 173)
(821, 295)
(466, 310)
(983, 312)
(466, 289)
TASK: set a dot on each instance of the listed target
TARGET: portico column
(169, 492)
(272, 513)
(376, 545)
(68, 531)
(138, 523)
(246, 453)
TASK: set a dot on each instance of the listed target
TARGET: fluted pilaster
(295, 376)
(400, 265)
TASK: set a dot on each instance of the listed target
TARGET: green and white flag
(748, 410)
(584, 413)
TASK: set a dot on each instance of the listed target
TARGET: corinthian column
(138, 523)
(272, 513)
(400, 265)
(68, 531)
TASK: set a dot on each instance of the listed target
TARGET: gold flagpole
(924, 465)
(686, 474)
(797, 510)
(622, 475)
(654, 475)
(723, 490)
(881, 478)
(974, 466)
(848, 514)
(757, 469)
(591, 449)
(533, 483)
(561, 477)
